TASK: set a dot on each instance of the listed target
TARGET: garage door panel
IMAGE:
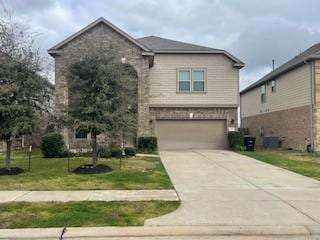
(191, 134)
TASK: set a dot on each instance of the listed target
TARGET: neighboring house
(188, 95)
(285, 103)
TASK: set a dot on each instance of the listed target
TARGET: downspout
(312, 86)
(239, 104)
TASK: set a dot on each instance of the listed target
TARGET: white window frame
(178, 80)
(204, 80)
(191, 81)
(273, 86)
(263, 96)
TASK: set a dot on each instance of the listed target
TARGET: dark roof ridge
(310, 53)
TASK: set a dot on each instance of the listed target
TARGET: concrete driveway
(225, 188)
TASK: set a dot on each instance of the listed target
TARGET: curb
(111, 232)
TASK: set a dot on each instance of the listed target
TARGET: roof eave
(238, 63)
(54, 52)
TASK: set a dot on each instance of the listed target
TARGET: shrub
(67, 153)
(129, 151)
(116, 152)
(236, 140)
(104, 152)
(52, 145)
(147, 144)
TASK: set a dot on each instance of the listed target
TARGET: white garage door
(191, 134)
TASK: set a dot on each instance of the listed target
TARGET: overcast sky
(252, 30)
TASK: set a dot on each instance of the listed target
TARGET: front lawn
(307, 164)
(81, 214)
(52, 174)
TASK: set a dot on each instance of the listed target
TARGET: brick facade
(293, 126)
(102, 36)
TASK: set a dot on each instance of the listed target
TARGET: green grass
(81, 214)
(307, 164)
(52, 174)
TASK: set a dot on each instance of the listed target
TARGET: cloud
(254, 31)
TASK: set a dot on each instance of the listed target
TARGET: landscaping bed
(52, 174)
(81, 214)
(307, 164)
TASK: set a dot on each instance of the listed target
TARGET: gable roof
(91, 25)
(151, 44)
(311, 53)
(163, 45)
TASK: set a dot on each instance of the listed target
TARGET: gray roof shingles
(162, 44)
(311, 53)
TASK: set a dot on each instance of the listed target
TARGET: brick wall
(102, 36)
(293, 126)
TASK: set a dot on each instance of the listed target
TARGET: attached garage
(191, 134)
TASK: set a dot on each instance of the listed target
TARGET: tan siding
(222, 79)
(293, 89)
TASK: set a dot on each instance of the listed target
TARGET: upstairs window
(81, 134)
(273, 86)
(191, 80)
(263, 93)
(198, 80)
(184, 80)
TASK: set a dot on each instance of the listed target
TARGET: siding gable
(293, 89)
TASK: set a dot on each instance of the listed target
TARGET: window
(184, 80)
(81, 134)
(191, 80)
(198, 80)
(273, 86)
(263, 93)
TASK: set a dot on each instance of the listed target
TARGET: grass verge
(81, 214)
(307, 164)
(52, 174)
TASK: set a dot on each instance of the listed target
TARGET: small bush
(67, 153)
(116, 152)
(236, 140)
(129, 151)
(104, 152)
(52, 145)
(147, 144)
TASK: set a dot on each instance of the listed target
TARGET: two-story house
(188, 95)
(285, 103)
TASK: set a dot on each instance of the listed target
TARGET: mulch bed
(90, 169)
(12, 171)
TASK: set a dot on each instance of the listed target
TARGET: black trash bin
(249, 143)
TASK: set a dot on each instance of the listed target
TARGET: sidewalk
(88, 195)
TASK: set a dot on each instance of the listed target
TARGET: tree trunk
(8, 155)
(94, 148)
